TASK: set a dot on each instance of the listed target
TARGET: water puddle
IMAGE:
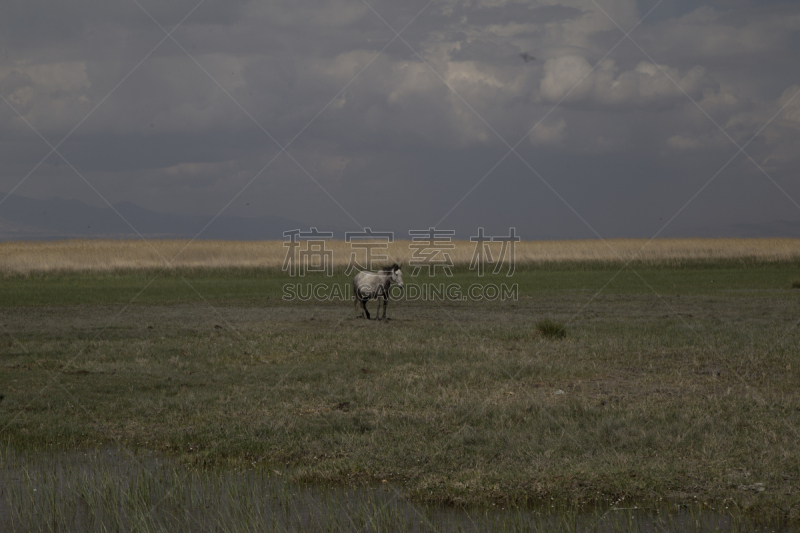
(112, 490)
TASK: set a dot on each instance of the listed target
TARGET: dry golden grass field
(110, 255)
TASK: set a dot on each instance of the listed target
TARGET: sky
(562, 119)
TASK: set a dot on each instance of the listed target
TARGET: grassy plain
(677, 380)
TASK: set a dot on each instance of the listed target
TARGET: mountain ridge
(23, 218)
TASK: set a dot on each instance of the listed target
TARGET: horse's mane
(390, 268)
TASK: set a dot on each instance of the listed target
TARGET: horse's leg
(382, 295)
(378, 317)
(355, 307)
(385, 301)
(364, 307)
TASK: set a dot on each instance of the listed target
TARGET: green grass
(257, 285)
(672, 388)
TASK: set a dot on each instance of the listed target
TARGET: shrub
(551, 329)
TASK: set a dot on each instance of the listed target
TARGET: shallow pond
(114, 490)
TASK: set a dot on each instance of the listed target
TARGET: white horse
(368, 285)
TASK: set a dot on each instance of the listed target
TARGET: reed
(116, 490)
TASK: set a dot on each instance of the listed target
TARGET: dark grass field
(673, 383)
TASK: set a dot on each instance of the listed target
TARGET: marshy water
(114, 490)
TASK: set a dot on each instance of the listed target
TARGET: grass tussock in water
(114, 490)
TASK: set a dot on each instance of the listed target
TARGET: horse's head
(397, 275)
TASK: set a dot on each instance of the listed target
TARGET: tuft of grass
(796, 283)
(551, 329)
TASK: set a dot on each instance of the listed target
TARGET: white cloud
(566, 77)
(778, 122)
(783, 134)
(48, 95)
(696, 142)
(713, 34)
(549, 133)
(572, 78)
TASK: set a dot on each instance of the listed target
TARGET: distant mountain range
(29, 219)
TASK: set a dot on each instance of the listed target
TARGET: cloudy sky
(541, 115)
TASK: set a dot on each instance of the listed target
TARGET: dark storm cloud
(485, 51)
(392, 137)
(38, 23)
(519, 12)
